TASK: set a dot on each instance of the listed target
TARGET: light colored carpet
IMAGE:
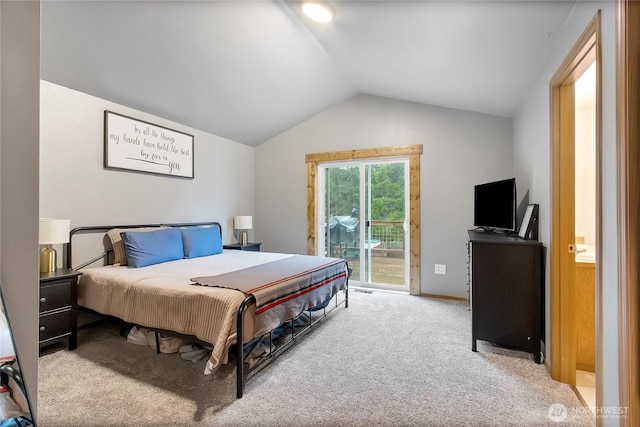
(388, 359)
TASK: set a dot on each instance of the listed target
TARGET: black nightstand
(58, 312)
(248, 247)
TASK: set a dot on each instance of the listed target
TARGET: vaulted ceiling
(249, 70)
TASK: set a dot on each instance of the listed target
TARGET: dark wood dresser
(507, 291)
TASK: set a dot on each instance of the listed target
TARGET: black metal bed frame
(242, 374)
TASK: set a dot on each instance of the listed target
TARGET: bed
(221, 297)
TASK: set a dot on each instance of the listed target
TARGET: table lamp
(243, 223)
(52, 232)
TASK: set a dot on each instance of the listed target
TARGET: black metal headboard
(104, 228)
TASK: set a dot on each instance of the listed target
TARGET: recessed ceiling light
(319, 11)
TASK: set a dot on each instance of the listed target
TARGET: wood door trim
(413, 152)
(628, 113)
(562, 353)
(367, 153)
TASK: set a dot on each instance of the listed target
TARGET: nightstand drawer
(248, 247)
(255, 247)
(56, 295)
(58, 309)
(55, 324)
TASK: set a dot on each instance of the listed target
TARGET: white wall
(585, 154)
(531, 163)
(74, 184)
(20, 73)
(461, 149)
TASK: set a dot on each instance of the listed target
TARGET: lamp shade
(243, 222)
(54, 231)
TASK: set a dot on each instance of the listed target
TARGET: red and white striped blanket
(285, 288)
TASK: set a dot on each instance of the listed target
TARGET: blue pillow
(152, 247)
(201, 241)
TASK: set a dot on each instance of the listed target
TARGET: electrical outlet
(441, 269)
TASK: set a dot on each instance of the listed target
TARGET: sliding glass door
(363, 211)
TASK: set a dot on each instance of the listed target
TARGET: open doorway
(576, 228)
(585, 234)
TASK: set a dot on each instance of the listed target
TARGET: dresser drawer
(55, 295)
(55, 324)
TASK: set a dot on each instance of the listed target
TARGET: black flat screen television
(495, 205)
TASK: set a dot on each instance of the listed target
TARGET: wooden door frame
(562, 355)
(413, 152)
(628, 136)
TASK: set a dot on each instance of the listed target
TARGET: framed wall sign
(136, 145)
(529, 226)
